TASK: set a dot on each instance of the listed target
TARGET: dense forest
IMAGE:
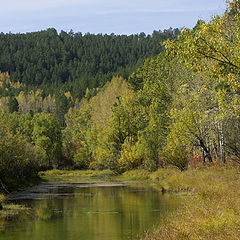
(72, 61)
(177, 108)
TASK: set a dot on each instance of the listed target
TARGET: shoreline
(210, 205)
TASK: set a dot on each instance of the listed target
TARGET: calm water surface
(88, 211)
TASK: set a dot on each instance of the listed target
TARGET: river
(84, 210)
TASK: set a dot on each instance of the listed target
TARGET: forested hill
(74, 61)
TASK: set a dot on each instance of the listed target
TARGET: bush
(129, 158)
(81, 159)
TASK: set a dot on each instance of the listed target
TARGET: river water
(87, 211)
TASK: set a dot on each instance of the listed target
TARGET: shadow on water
(87, 211)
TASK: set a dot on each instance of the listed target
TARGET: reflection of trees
(43, 211)
(96, 213)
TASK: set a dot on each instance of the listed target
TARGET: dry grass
(211, 212)
(136, 174)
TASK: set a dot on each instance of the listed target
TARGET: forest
(53, 61)
(90, 102)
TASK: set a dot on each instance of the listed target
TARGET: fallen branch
(3, 186)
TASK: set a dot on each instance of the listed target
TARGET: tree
(75, 143)
(47, 136)
(62, 106)
(19, 158)
(13, 105)
(216, 42)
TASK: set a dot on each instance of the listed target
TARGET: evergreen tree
(13, 105)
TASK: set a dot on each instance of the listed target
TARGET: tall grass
(211, 211)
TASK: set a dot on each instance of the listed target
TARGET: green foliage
(214, 47)
(47, 136)
(122, 127)
(182, 103)
(19, 158)
(75, 143)
(13, 105)
(62, 106)
(73, 61)
(81, 158)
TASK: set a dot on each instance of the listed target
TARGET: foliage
(73, 61)
(19, 158)
(46, 135)
(13, 105)
(216, 42)
(129, 156)
(178, 105)
(74, 135)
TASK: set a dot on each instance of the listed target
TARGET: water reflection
(89, 211)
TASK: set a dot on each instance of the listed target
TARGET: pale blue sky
(105, 16)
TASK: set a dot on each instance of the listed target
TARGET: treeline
(181, 107)
(178, 108)
(72, 61)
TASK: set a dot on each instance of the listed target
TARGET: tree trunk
(221, 143)
(205, 149)
(204, 156)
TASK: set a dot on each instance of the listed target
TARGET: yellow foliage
(129, 157)
(103, 102)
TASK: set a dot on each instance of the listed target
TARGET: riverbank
(67, 174)
(210, 206)
(209, 210)
(11, 212)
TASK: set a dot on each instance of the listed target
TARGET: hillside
(72, 61)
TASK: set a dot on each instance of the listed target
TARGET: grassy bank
(67, 174)
(211, 208)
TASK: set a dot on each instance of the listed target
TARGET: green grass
(210, 208)
(55, 173)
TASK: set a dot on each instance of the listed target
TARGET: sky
(105, 16)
